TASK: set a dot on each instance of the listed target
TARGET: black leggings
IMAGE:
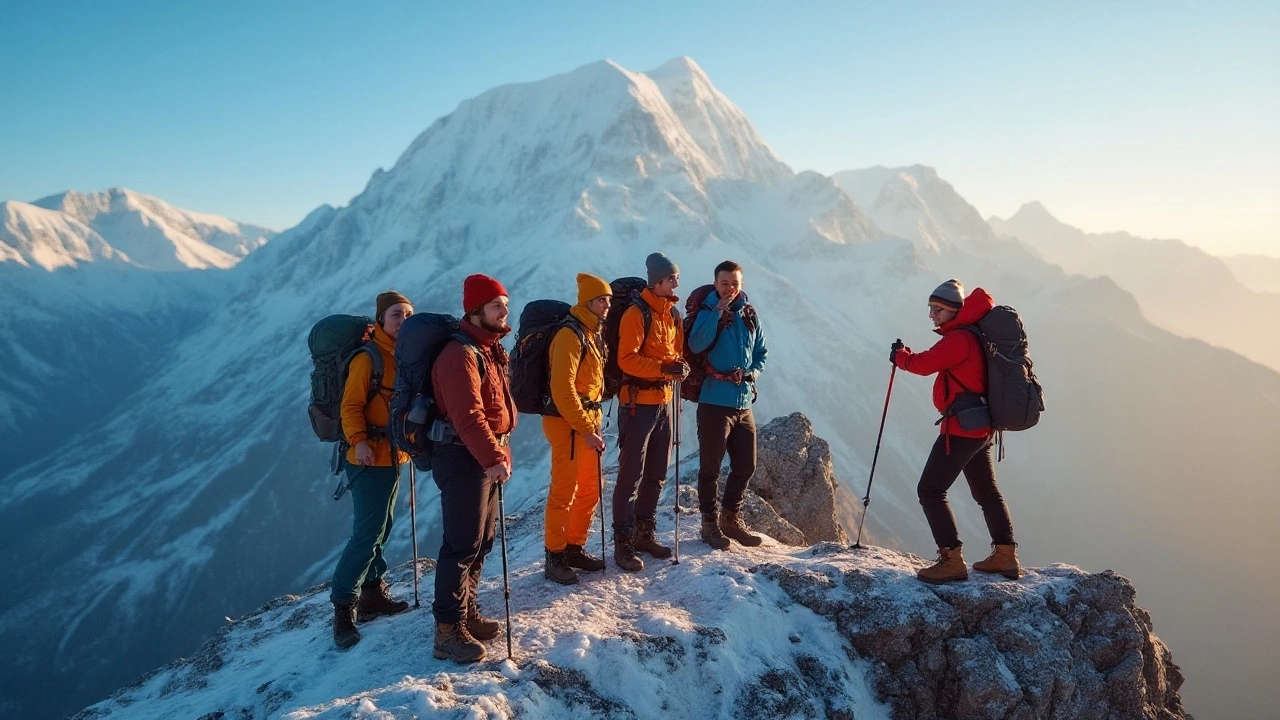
(973, 457)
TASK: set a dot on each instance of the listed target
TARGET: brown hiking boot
(732, 526)
(556, 568)
(647, 543)
(376, 601)
(454, 642)
(1002, 561)
(344, 625)
(624, 551)
(711, 533)
(577, 557)
(950, 567)
(481, 627)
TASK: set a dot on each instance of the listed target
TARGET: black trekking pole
(506, 579)
(675, 558)
(866, 501)
(413, 528)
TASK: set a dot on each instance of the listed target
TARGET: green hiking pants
(373, 499)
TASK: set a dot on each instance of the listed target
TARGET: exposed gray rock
(795, 476)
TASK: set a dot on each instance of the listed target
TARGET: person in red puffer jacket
(965, 438)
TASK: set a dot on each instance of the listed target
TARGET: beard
(501, 327)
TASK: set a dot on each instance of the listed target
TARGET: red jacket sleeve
(456, 379)
(948, 352)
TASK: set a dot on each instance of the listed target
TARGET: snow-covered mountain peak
(157, 235)
(35, 236)
(915, 204)
(1033, 211)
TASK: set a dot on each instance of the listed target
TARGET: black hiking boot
(647, 543)
(454, 642)
(577, 557)
(624, 550)
(731, 526)
(376, 601)
(556, 568)
(344, 625)
(481, 627)
(711, 534)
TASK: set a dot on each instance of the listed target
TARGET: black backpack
(413, 408)
(1014, 397)
(626, 293)
(531, 362)
(691, 388)
(333, 342)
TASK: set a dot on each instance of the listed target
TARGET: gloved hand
(893, 351)
(677, 369)
(748, 377)
(736, 376)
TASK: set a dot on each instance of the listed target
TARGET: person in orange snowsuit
(577, 356)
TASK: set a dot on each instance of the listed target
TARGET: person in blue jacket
(727, 329)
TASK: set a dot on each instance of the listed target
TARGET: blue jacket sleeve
(758, 353)
(704, 330)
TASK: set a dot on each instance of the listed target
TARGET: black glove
(678, 369)
(748, 377)
(893, 351)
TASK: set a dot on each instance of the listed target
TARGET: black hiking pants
(722, 429)
(644, 449)
(972, 456)
(469, 512)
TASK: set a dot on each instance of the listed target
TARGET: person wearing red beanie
(473, 389)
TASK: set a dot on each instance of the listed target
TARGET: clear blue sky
(1160, 118)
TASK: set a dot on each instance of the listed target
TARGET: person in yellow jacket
(577, 383)
(650, 359)
(373, 477)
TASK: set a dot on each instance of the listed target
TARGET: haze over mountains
(198, 492)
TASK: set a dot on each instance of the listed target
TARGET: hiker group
(441, 394)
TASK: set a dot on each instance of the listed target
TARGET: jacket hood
(658, 303)
(976, 307)
(584, 315)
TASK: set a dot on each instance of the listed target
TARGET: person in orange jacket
(374, 479)
(965, 438)
(577, 384)
(650, 362)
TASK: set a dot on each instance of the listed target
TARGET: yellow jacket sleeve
(631, 339)
(566, 354)
(354, 395)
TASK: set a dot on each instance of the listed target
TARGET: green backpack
(333, 342)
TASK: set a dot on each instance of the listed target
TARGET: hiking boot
(576, 557)
(1002, 561)
(454, 642)
(481, 627)
(624, 551)
(711, 533)
(732, 526)
(557, 568)
(950, 567)
(376, 600)
(344, 625)
(647, 543)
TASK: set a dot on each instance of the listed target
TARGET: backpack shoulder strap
(470, 344)
(375, 361)
(573, 324)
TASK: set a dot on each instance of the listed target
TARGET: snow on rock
(32, 235)
(771, 632)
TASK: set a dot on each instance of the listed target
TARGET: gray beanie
(659, 267)
(949, 293)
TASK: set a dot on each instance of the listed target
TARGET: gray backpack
(1014, 397)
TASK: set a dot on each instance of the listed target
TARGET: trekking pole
(866, 501)
(413, 526)
(600, 466)
(506, 579)
(675, 558)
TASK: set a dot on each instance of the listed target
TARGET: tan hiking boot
(732, 526)
(454, 642)
(1002, 561)
(950, 567)
(481, 627)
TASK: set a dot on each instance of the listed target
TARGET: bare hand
(498, 473)
(594, 441)
(364, 453)
(736, 376)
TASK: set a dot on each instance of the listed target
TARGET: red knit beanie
(478, 290)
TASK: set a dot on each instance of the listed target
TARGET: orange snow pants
(575, 485)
